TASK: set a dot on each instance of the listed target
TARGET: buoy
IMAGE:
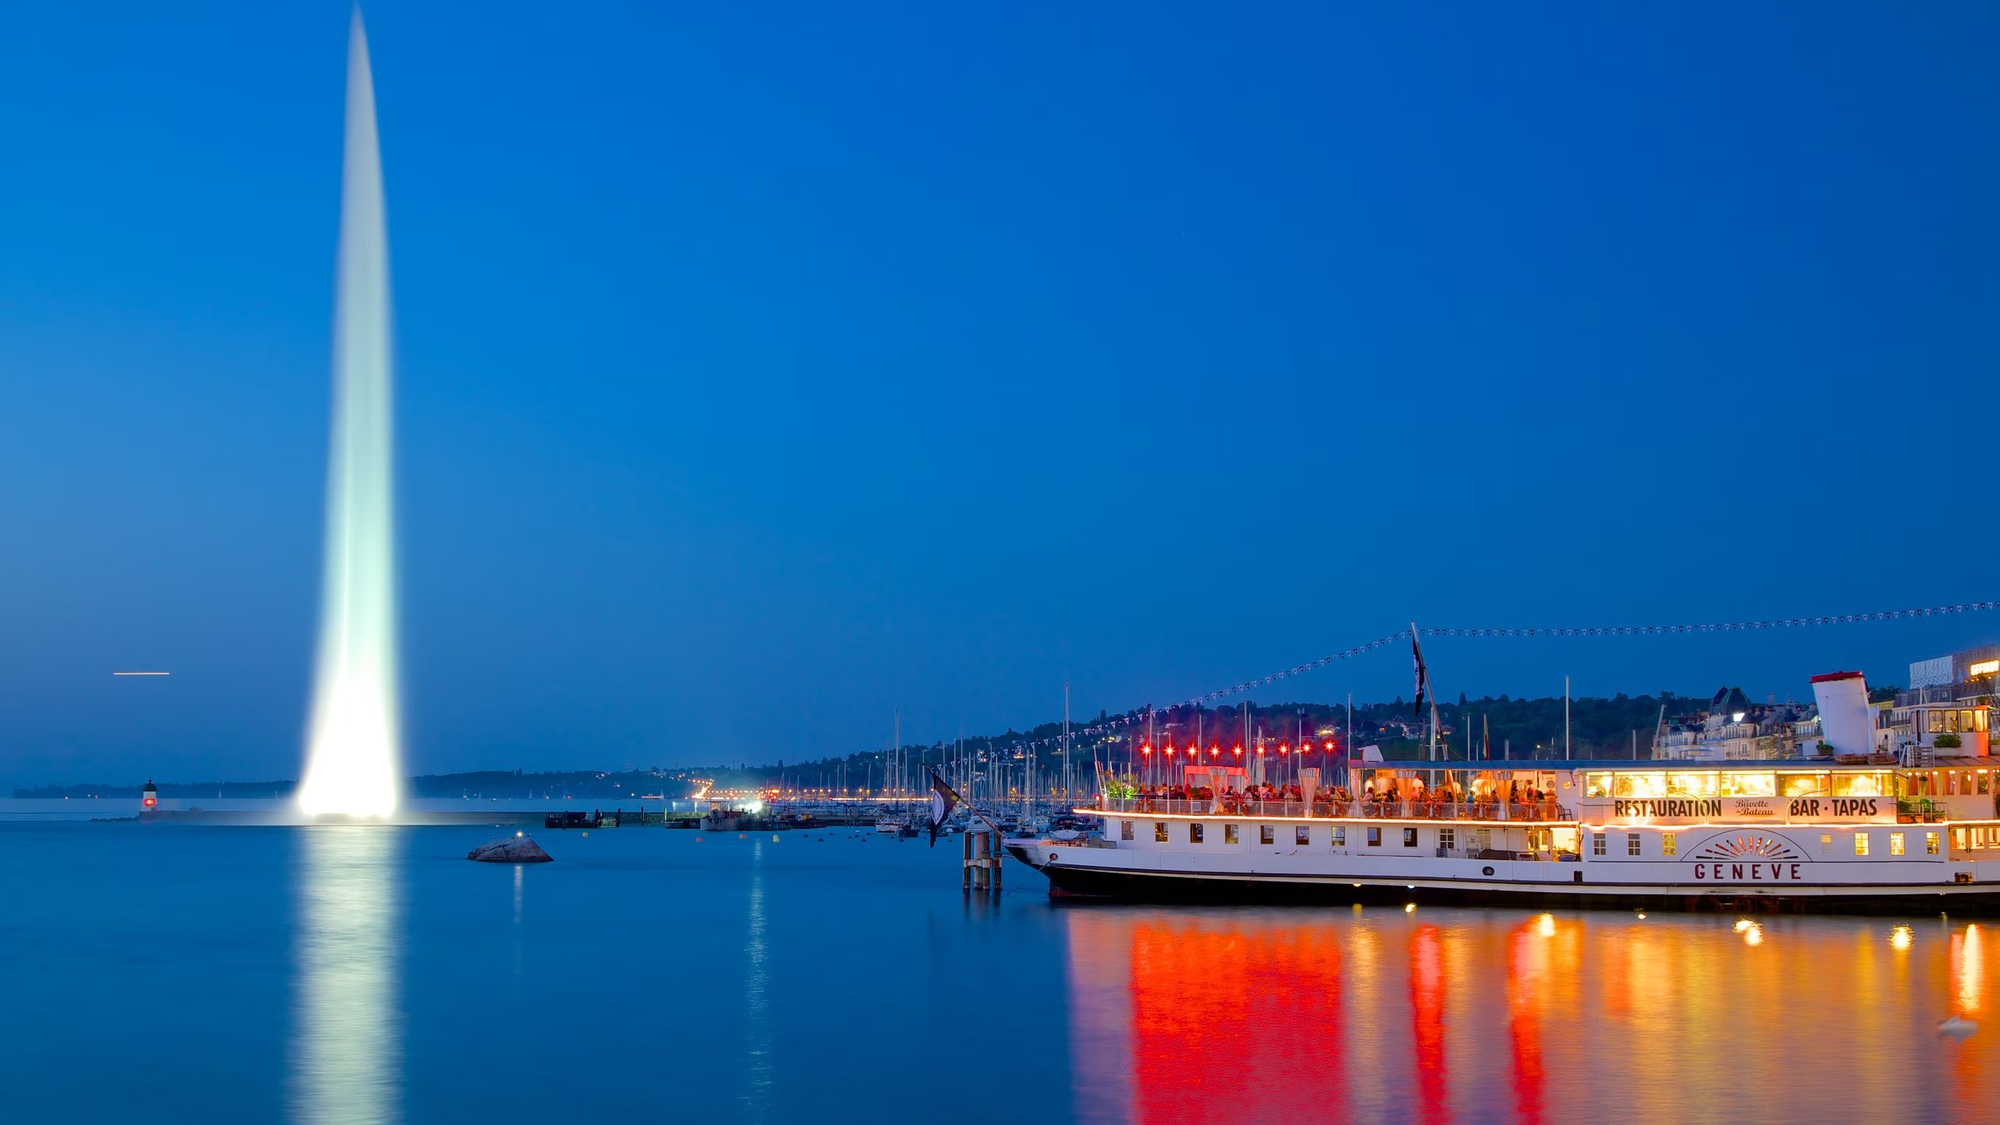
(1956, 1028)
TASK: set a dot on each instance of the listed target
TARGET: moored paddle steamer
(1798, 834)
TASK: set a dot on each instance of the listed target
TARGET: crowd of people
(1449, 800)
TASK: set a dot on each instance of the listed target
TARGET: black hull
(1076, 884)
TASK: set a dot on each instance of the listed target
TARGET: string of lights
(1128, 718)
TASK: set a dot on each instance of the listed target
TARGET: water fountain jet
(352, 758)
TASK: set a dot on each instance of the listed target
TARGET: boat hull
(1097, 883)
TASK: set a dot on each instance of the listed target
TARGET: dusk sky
(765, 371)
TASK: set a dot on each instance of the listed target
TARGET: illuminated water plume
(352, 759)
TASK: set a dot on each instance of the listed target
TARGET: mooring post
(965, 867)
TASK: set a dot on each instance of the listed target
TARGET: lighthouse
(149, 797)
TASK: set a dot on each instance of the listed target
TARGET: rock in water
(510, 849)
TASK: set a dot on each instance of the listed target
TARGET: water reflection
(756, 1000)
(347, 1035)
(1492, 1016)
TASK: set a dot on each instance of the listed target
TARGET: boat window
(1194, 833)
(1409, 837)
(1895, 843)
(1985, 782)
(1159, 831)
(1690, 783)
(1965, 722)
(1826, 843)
(1979, 720)
(1935, 724)
(1340, 836)
(1597, 785)
(1667, 843)
(1229, 834)
(1374, 837)
(1649, 784)
(1301, 835)
(1958, 839)
(1861, 843)
(1749, 784)
(1857, 785)
(1950, 783)
(1447, 838)
(1930, 843)
(1597, 843)
(1951, 722)
(1267, 834)
(1632, 844)
(1124, 830)
(1805, 785)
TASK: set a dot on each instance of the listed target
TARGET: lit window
(1861, 843)
(1267, 834)
(1667, 843)
(1447, 837)
(1597, 844)
(1826, 843)
(1958, 839)
(1229, 834)
(1482, 838)
(1124, 830)
(1194, 833)
(1979, 719)
(1936, 722)
(1805, 785)
(1930, 843)
(1374, 837)
(1857, 785)
(1597, 785)
(1409, 837)
(1985, 781)
(1631, 843)
(1749, 785)
(1159, 831)
(1340, 836)
(1302, 835)
(1895, 843)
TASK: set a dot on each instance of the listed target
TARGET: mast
(1565, 718)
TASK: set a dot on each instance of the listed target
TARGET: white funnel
(1846, 721)
(352, 761)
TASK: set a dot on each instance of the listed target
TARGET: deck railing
(1232, 805)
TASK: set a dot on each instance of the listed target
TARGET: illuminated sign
(1983, 668)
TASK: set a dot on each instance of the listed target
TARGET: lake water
(176, 972)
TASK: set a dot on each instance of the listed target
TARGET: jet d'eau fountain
(352, 758)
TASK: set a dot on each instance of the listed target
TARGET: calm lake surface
(175, 972)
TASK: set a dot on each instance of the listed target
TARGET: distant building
(1759, 732)
(1949, 698)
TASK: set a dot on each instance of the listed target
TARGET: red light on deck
(1329, 744)
(1239, 751)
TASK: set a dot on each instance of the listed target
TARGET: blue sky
(766, 370)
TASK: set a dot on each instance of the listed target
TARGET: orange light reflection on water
(1477, 1016)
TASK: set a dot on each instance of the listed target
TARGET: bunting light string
(1131, 717)
(1716, 627)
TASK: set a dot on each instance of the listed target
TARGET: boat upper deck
(1621, 791)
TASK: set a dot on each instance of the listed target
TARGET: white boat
(1794, 834)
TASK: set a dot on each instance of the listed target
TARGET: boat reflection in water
(347, 1032)
(1506, 1016)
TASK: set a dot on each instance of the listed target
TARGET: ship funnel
(1846, 721)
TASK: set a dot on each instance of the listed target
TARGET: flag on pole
(1423, 680)
(943, 800)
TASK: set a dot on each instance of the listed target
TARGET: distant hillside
(1519, 728)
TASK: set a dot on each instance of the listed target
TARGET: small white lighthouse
(149, 797)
